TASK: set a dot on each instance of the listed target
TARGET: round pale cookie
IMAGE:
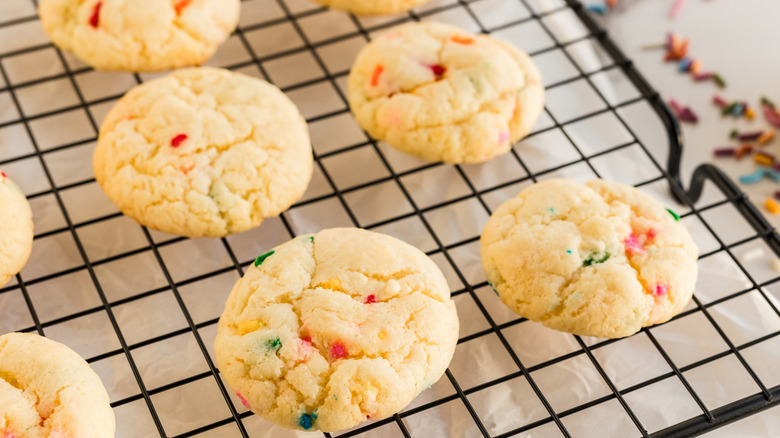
(139, 35)
(16, 229)
(47, 390)
(600, 259)
(203, 152)
(327, 331)
(442, 94)
(373, 7)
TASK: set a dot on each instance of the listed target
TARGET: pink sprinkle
(371, 299)
(94, 20)
(678, 4)
(338, 350)
(632, 245)
(688, 115)
(504, 136)
(675, 106)
(660, 289)
(771, 114)
(178, 140)
(243, 400)
(9, 434)
(698, 77)
(717, 100)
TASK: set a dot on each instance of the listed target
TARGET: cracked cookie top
(600, 259)
(47, 390)
(327, 331)
(139, 35)
(203, 152)
(437, 92)
(373, 7)
(16, 229)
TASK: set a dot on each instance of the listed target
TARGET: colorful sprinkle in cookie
(442, 94)
(373, 7)
(325, 333)
(203, 152)
(139, 35)
(16, 229)
(600, 259)
(47, 390)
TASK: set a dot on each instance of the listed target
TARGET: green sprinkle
(719, 81)
(734, 133)
(591, 260)
(568, 251)
(259, 261)
(766, 101)
(674, 215)
(335, 397)
(311, 238)
(273, 344)
(728, 108)
(551, 210)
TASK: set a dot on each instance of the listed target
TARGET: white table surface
(739, 39)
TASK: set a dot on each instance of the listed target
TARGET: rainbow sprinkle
(259, 261)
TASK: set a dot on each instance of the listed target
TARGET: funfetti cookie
(373, 7)
(329, 330)
(139, 35)
(600, 259)
(442, 94)
(16, 229)
(47, 390)
(203, 152)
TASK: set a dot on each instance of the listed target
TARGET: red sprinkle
(725, 152)
(94, 20)
(717, 100)
(375, 76)
(651, 233)
(338, 350)
(306, 339)
(178, 140)
(243, 400)
(777, 194)
(438, 71)
(180, 5)
(2, 174)
(371, 299)
(660, 289)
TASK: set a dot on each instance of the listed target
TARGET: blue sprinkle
(772, 174)
(307, 420)
(684, 64)
(599, 9)
(494, 289)
(568, 251)
(738, 110)
(754, 178)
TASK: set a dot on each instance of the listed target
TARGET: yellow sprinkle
(766, 137)
(248, 326)
(772, 206)
(750, 114)
(762, 160)
(381, 334)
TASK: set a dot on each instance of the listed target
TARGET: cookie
(47, 390)
(16, 229)
(600, 259)
(203, 152)
(139, 35)
(373, 7)
(329, 330)
(442, 94)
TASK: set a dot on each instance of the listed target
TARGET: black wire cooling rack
(142, 306)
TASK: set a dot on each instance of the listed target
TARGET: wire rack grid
(142, 306)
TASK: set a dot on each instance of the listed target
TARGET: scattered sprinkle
(719, 81)
(177, 141)
(766, 137)
(338, 350)
(180, 5)
(752, 178)
(705, 76)
(684, 114)
(746, 136)
(462, 40)
(676, 8)
(770, 111)
(632, 245)
(772, 206)
(742, 150)
(307, 420)
(763, 160)
(591, 260)
(375, 75)
(772, 173)
(259, 261)
(568, 251)
(335, 397)
(725, 152)
(311, 238)
(717, 100)
(371, 299)
(243, 400)
(273, 344)
(753, 254)
(597, 8)
(684, 65)
(3, 175)
(94, 20)
(248, 326)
